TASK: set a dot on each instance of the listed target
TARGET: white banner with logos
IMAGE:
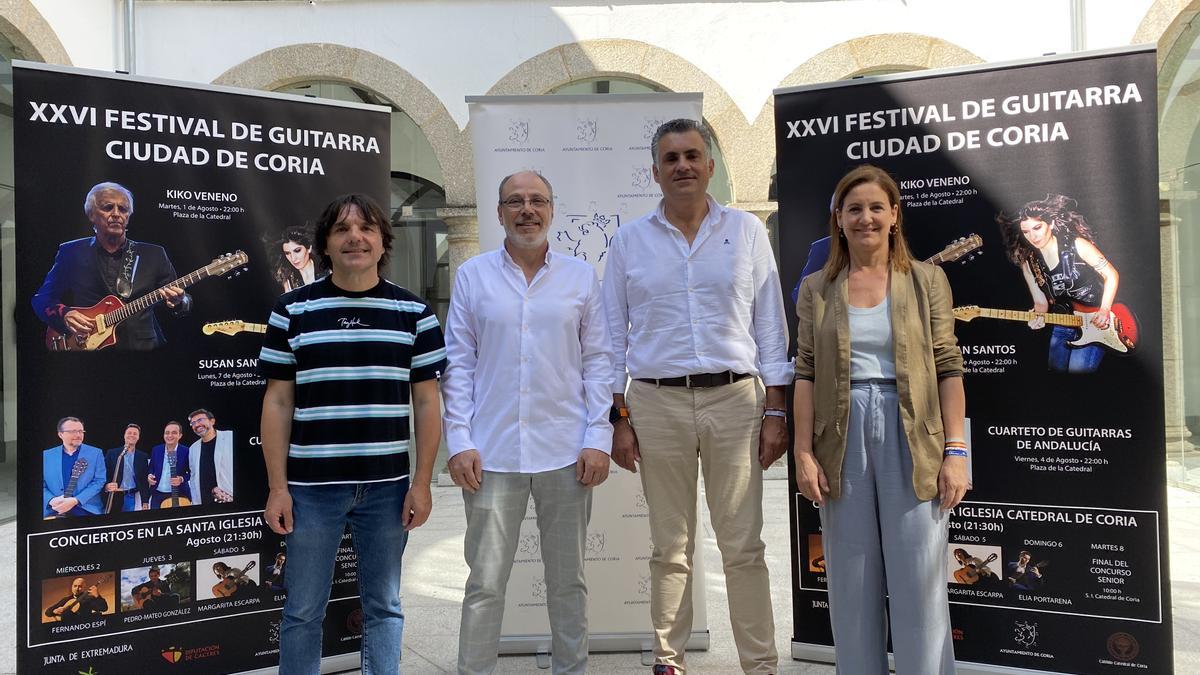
(595, 151)
(593, 148)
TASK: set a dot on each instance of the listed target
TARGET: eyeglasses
(74, 431)
(516, 203)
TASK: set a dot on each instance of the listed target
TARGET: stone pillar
(462, 235)
(1179, 449)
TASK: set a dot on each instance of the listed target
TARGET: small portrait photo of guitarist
(170, 470)
(211, 460)
(78, 599)
(234, 576)
(1023, 574)
(1071, 283)
(816, 554)
(72, 474)
(273, 579)
(127, 467)
(156, 588)
(292, 262)
(110, 276)
(972, 566)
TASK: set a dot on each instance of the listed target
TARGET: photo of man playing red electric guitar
(87, 271)
(1071, 283)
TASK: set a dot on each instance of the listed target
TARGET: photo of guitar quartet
(973, 567)
(1071, 285)
(82, 480)
(159, 587)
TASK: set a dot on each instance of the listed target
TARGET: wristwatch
(616, 413)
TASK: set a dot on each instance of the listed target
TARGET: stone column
(1179, 449)
(462, 235)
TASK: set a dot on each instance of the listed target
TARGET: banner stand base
(806, 651)
(597, 642)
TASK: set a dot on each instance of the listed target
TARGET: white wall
(90, 30)
(462, 48)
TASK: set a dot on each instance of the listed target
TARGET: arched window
(420, 258)
(1179, 181)
(719, 187)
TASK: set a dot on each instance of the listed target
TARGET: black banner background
(60, 153)
(1067, 466)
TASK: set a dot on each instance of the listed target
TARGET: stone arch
(296, 63)
(1168, 23)
(636, 60)
(859, 56)
(1164, 22)
(893, 51)
(29, 32)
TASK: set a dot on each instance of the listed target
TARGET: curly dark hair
(282, 269)
(1057, 211)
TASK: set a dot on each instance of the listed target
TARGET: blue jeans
(320, 514)
(1067, 359)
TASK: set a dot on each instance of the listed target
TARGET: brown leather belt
(700, 381)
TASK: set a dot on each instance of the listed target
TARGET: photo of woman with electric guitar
(1071, 283)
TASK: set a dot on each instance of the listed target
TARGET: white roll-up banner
(595, 151)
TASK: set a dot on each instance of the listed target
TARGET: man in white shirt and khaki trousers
(527, 398)
(696, 318)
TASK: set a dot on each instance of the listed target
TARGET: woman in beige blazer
(879, 443)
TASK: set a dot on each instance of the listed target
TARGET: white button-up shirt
(528, 380)
(716, 305)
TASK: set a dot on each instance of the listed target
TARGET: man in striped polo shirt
(341, 356)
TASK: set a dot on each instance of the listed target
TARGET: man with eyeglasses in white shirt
(696, 318)
(527, 412)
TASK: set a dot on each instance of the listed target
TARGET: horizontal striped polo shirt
(352, 356)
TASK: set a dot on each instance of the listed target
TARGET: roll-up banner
(1035, 186)
(142, 549)
(595, 151)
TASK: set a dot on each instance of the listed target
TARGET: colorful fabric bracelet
(955, 447)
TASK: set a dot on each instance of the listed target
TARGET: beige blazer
(925, 351)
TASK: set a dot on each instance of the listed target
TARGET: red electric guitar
(111, 311)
